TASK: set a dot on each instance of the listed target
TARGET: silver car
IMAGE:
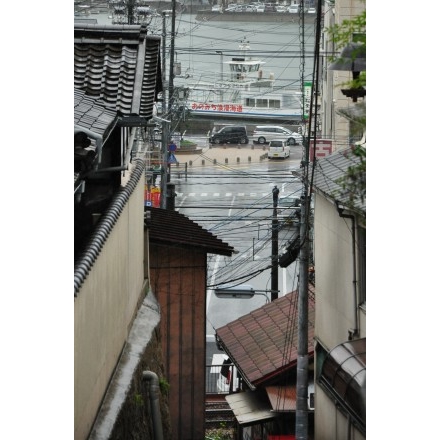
(266, 133)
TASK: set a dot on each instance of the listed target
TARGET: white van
(293, 9)
(267, 133)
(278, 149)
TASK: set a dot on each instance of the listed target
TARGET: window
(274, 103)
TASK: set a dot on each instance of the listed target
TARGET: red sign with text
(323, 147)
(226, 108)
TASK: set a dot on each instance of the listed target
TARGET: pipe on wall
(352, 333)
(154, 391)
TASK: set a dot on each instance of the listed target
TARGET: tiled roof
(263, 344)
(172, 228)
(90, 113)
(329, 170)
(119, 64)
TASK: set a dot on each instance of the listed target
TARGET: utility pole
(274, 270)
(221, 70)
(301, 414)
(130, 11)
(171, 80)
(164, 39)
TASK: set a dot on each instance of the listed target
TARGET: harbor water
(201, 47)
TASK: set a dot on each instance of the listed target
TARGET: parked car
(281, 8)
(278, 150)
(216, 8)
(311, 11)
(236, 134)
(293, 9)
(289, 207)
(266, 133)
(232, 8)
(270, 7)
(260, 8)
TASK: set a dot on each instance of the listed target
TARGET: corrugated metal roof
(172, 228)
(328, 172)
(262, 344)
(250, 407)
(282, 398)
(120, 65)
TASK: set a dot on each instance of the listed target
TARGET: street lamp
(243, 291)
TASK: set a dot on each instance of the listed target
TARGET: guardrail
(218, 384)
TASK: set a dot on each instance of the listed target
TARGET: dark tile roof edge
(171, 228)
(95, 103)
(104, 33)
(105, 226)
(328, 172)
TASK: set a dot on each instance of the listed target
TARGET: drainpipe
(93, 135)
(154, 402)
(352, 333)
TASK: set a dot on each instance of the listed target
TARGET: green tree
(353, 31)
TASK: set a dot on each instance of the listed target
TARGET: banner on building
(307, 99)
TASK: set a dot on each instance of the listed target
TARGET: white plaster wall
(333, 274)
(104, 309)
(334, 305)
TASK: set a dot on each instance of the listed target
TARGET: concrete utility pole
(302, 424)
(274, 270)
(164, 39)
(171, 80)
(302, 376)
(301, 414)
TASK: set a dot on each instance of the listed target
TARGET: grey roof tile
(120, 65)
(328, 172)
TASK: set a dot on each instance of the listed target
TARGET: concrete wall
(333, 274)
(334, 305)
(105, 308)
(127, 411)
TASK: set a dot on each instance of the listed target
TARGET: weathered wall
(104, 310)
(134, 420)
(178, 278)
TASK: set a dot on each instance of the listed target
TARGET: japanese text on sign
(307, 99)
(230, 108)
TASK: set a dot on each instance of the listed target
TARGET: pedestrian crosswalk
(251, 195)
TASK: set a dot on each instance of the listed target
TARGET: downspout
(352, 333)
(154, 391)
(97, 137)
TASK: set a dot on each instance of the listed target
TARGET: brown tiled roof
(172, 228)
(263, 344)
(119, 64)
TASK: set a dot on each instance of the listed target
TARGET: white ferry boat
(243, 92)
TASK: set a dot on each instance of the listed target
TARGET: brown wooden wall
(178, 279)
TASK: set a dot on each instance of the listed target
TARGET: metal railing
(218, 384)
